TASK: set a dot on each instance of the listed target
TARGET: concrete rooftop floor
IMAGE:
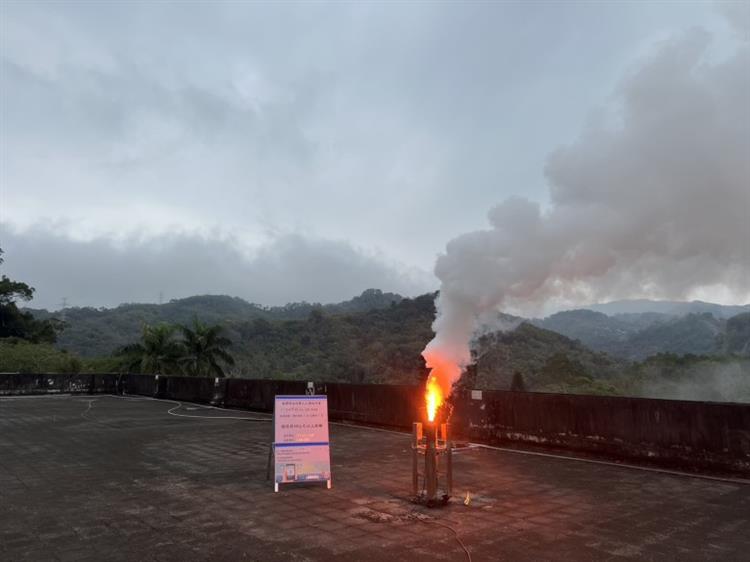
(105, 478)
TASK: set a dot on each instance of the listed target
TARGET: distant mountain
(371, 299)
(636, 336)
(92, 332)
(640, 320)
(381, 345)
(631, 336)
(736, 337)
(595, 329)
(636, 329)
(696, 334)
(545, 359)
(378, 337)
(672, 308)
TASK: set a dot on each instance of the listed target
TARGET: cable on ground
(455, 533)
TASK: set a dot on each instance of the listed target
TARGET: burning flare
(433, 397)
(443, 373)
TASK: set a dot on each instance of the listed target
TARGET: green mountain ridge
(631, 336)
(671, 308)
(545, 359)
(94, 332)
(636, 336)
(378, 338)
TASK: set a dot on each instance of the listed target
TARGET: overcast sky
(282, 152)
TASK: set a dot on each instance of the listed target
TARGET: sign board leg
(270, 458)
(328, 484)
(275, 486)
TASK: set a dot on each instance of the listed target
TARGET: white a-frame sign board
(300, 445)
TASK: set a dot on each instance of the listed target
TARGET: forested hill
(545, 359)
(669, 308)
(636, 336)
(96, 332)
(377, 346)
(378, 338)
(375, 338)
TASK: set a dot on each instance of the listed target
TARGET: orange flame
(443, 373)
(433, 397)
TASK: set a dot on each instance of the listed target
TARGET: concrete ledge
(54, 383)
(683, 434)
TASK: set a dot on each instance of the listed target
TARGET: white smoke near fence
(705, 381)
(655, 207)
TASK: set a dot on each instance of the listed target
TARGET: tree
(11, 291)
(23, 325)
(518, 384)
(316, 315)
(561, 373)
(737, 337)
(204, 349)
(157, 352)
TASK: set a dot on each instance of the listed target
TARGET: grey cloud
(389, 126)
(393, 126)
(107, 271)
(738, 16)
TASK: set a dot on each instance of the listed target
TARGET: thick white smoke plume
(657, 206)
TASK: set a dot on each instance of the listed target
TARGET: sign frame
(301, 445)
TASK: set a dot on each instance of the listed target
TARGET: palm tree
(157, 352)
(205, 349)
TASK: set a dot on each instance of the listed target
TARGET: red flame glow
(443, 373)
(433, 397)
